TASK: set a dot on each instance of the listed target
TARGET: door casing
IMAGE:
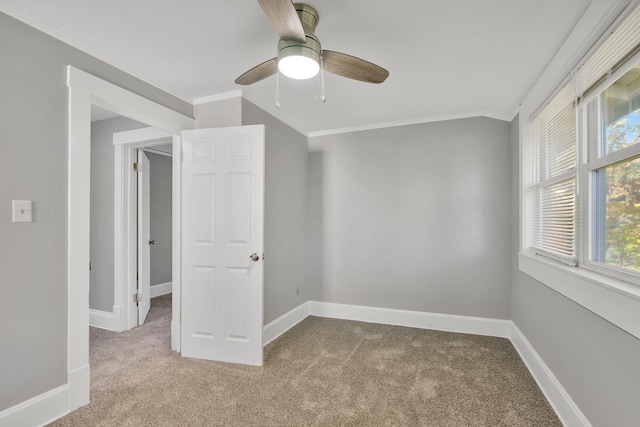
(84, 90)
(125, 145)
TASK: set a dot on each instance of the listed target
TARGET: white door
(144, 238)
(222, 244)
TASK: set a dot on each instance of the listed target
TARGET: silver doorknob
(254, 257)
(152, 242)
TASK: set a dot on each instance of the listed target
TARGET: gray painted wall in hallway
(33, 166)
(160, 218)
(412, 218)
(285, 213)
(595, 361)
(102, 158)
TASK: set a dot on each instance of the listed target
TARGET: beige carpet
(322, 372)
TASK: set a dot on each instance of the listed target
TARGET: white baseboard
(285, 322)
(56, 403)
(117, 319)
(413, 319)
(79, 382)
(161, 289)
(39, 410)
(175, 336)
(101, 319)
(565, 407)
(51, 405)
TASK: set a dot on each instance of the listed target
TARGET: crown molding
(428, 119)
(218, 97)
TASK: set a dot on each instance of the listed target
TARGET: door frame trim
(125, 144)
(85, 89)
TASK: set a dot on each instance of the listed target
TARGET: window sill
(614, 300)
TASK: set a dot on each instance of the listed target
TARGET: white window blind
(551, 154)
(553, 167)
(619, 46)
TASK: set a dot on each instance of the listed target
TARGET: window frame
(589, 162)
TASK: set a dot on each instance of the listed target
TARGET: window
(554, 186)
(582, 159)
(613, 133)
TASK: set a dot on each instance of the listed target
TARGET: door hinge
(137, 276)
(135, 167)
(137, 298)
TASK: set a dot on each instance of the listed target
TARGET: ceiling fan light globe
(298, 67)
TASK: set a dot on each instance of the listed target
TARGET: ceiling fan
(299, 51)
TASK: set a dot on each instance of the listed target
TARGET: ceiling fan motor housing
(311, 46)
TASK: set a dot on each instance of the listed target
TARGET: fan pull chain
(319, 85)
(322, 97)
(277, 89)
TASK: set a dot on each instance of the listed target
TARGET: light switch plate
(22, 211)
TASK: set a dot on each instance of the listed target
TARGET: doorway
(154, 242)
(233, 175)
(85, 90)
(128, 240)
(153, 213)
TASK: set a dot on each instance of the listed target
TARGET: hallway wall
(102, 176)
(161, 227)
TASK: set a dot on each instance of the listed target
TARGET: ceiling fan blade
(284, 18)
(352, 67)
(259, 72)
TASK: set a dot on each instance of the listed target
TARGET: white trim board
(126, 103)
(125, 248)
(39, 410)
(413, 319)
(148, 135)
(285, 322)
(416, 121)
(101, 319)
(48, 406)
(560, 401)
(161, 289)
(218, 97)
(616, 301)
(125, 144)
(55, 404)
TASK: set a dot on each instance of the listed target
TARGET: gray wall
(102, 158)
(285, 213)
(413, 217)
(595, 361)
(160, 218)
(102, 169)
(227, 112)
(33, 166)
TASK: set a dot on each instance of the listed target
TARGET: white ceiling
(446, 59)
